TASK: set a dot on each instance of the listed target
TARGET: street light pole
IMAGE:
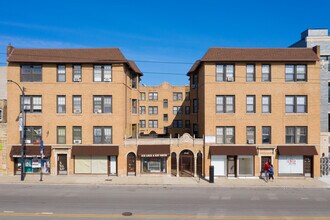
(23, 130)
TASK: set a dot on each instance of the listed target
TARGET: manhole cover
(108, 179)
(127, 213)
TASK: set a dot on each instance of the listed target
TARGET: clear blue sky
(166, 31)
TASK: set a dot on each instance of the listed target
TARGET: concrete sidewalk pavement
(323, 182)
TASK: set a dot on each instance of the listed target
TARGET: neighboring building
(3, 119)
(164, 110)
(320, 37)
(255, 105)
(78, 101)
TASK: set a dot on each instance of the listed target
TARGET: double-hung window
(153, 123)
(225, 135)
(61, 73)
(31, 73)
(194, 81)
(266, 134)
(165, 117)
(77, 73)
(102, 73)
(266, 73)
(187, 110)
(153, 110)
(250, 134)
(32, 134)
(153, 96)
(102, 104)
(250, 73)
(250, 104)
(142, 96)
(61, 135)
(32, 104)
(177, 96)
(165, 103)
(134, 81)
(195, 106)
(142, 123)
(177, 110)
(296, 104)
(266, 104)
(225, 104)
(142, 110)
(61, 104)
(134, 106)
(296, 135)
(77, 134)
(76, 104)
(225, 72)
(177, 124)
(295, 73)
(103, 135)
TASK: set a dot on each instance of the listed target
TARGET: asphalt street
(151, 202)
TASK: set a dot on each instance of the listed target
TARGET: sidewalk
(323, 182)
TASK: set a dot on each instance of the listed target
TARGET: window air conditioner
(98, 111)
(28, 141)
(106, 79)
(230, 79)
(77, 79)
(77, 141)
(250, 141)
(76, 111)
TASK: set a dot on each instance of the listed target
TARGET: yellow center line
(62, 215)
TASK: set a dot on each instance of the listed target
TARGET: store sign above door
(153, 155)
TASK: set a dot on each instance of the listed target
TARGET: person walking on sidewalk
(271, 172)
(266, 170)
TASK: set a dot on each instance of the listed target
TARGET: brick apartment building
(242, 107)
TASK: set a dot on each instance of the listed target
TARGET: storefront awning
(153, 150)
(233, 150)
(30, 151)
(297, 150)
(95, 150)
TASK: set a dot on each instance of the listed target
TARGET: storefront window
(245, 165)
(33, 165)
(154, 165)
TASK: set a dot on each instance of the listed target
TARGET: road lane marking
(8, 211)
(140, 216)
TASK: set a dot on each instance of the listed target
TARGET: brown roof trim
(233, 150)
(134, 67)
(194, 67)
(153, 150)
(95, 150)
(297, 150)
(30, 151)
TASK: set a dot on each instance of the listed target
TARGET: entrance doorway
(134, 130)
(231, 164)
(308, 166)
(62, 164)
(199, 164)
(131, 164)
(173, 164)
(186, 163)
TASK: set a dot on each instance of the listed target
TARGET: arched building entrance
(131, 164)
(173, 164)
(186, 163)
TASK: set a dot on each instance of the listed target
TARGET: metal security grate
(325, 166)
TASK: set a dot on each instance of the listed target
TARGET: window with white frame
(76, 104)
(266, 134)
(266, 104)
(102, 104)
(225, 104)
(153, 96)
(61, 104)
(250, 104)
(77, 73)
(250, 73)
(225, 72)
(142, 123)
(32, 103)
(296, 104)
(31, 73)
(76, 134)
(250, 134)
(153, 123)
(177, 96)
(296, 135)
(103, 135)
(142, 96)
(177, 110)
(61, 135)
(295, 73)
(266, 73)
(153, 110)
(61, 73)
(102, 73)
(225, 135)
(142, 110)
